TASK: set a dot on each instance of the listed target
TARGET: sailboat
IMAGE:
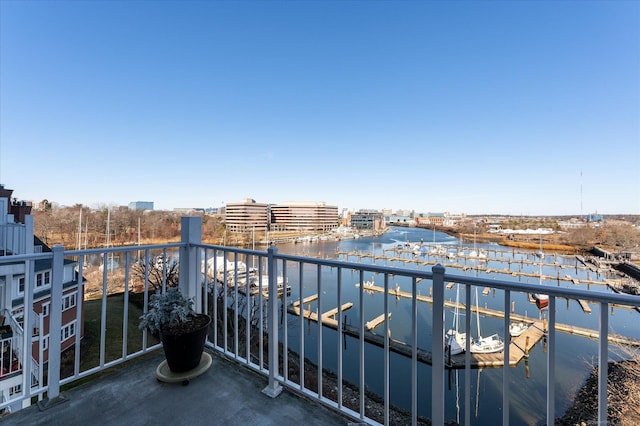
(456, 341)
(485, 345)
(540, 253)
(107, 258)
(474, 252)
(541, 299)
(482, 255)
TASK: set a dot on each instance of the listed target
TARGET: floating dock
(370, 325)
(518, 349)
(479, 265)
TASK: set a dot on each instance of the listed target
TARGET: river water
(574, 355)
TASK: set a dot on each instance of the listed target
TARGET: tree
(157, 269)
(45, 205)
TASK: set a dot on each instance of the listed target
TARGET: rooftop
(130, 394)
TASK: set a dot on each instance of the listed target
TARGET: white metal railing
(12, 347)
(264, 333)
(45, 347)
(279, 262)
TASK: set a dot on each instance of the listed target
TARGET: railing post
(603, 363)
(191, 234)
(55, 325)
(506, 366)
(437, 347)
(27, 338)
(551, 361)
(274, 388)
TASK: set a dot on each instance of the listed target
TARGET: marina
(576, 321)
(481, 266)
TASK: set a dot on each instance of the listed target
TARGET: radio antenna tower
(581, 192)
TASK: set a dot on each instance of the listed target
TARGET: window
(15, 390)
(43, 279)
(21, 285)
(68, 301)
(45, 309)
(68, 331)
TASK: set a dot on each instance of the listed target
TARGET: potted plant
(182, 331)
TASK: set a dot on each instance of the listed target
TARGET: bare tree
(157, 270)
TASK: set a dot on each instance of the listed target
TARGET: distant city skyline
(476, 107)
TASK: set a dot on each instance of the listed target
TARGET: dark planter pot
(184, 350)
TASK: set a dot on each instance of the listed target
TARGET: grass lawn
(91, 346)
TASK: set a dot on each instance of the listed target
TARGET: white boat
(474, 252)
(517, 328)
(540, 253)
(485, 345)
(482, 255)
(215, 267)
(456, 342)
(263, 282)
(542, 300)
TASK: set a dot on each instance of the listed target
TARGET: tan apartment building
(304, 217)
(247, 216)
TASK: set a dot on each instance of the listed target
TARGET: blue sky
(514, 107)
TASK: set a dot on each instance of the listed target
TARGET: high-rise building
(247, 216)
(367, 219)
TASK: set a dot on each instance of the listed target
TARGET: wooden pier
(370, 325)
(396, 346)
(518, 349)
(585, 306)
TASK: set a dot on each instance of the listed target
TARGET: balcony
(226, 394)
(333, 314)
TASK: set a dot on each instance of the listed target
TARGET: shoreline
(623, 401)
(555, 244)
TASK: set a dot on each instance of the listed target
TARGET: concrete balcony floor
(227, 394)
